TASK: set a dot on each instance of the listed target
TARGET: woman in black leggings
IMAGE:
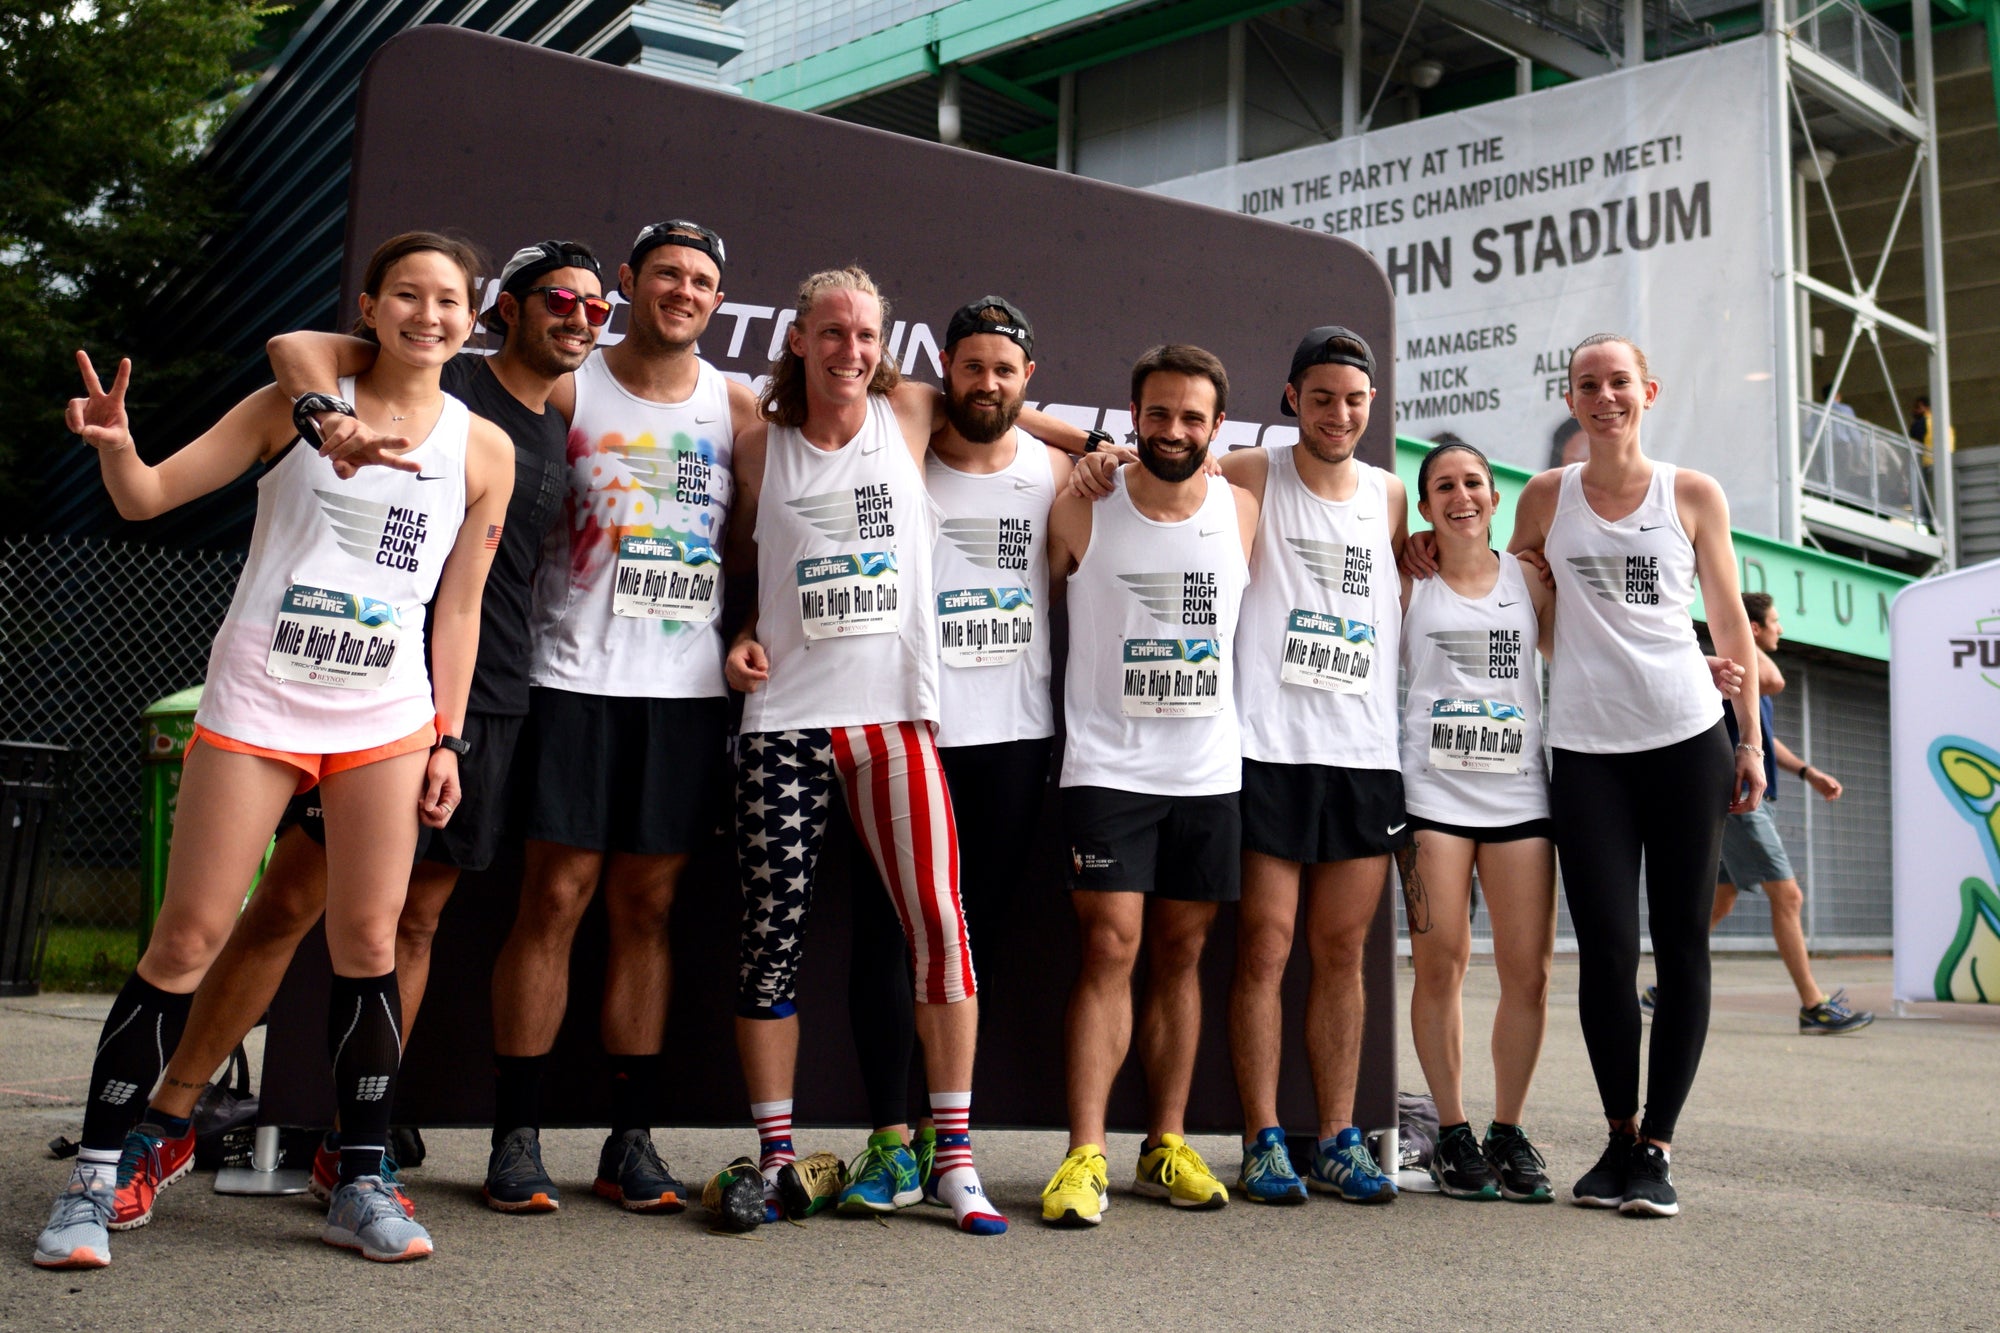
(1641, 763)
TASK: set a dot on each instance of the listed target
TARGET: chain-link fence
(91, 632)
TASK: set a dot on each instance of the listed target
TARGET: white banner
(1638, 203)
(1944, 766)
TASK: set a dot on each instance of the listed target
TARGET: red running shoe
(150, 1163)
(326, 1175)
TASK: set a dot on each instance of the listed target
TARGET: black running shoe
(1603, 1186)
(631, 1172)
(1460, 1169)
(1833, 1015)
(515, 1180)
(1522, 1173)
(1649, 1186)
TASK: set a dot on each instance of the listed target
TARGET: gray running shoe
(630, 1171)
(365, 1216)
(515, 1180)
(77, 1235)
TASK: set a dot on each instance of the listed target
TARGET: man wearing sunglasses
(548, 310)
(629, 712)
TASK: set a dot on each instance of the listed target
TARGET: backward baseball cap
(1318, 348)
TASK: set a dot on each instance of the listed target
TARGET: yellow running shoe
(1175, 1172)
(1076, 1196)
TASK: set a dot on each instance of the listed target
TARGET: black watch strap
(458, 745)
(309, 405)
(1093, 440)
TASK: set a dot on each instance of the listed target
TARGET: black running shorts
(1187, 848)
(1314, 813)
(642, 776)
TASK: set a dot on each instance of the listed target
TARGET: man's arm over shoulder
(1247, 510)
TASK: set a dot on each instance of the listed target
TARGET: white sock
(970, 1207)
(96, 1166)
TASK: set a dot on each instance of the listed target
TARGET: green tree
(104, 109)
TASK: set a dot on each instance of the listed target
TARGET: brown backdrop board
(550, 145)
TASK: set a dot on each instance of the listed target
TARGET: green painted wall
(1824, 600)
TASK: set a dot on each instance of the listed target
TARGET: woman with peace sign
(317, 676)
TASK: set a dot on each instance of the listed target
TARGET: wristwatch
(309, 405)
(1093, 440)
(458, 745)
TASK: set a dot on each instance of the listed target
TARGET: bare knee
(1110, 947)
(1262, 950)
(414, 934)
(555, 894)
(183, 948)
(1339, 952)
(1526, 982)
(1441, 963)
(1787, 898)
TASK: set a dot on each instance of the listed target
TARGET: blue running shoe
(515, 1179)
(77, 1235)
(1350, 1170)
(883, 1178)
(1267, 1175)
(365, 1216)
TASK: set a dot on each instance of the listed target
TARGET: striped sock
(774, 1135)
(956, 1181)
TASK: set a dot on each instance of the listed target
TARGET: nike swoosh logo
(434, 477)
(1210, 532)
(1399, 828)
(1644, 528)
(1515, 602)
(1022, 484)
(871, 448)
(1366, 518)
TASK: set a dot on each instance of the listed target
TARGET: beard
(1325, 453)
(1170, 469)
(978, 422)
(545, 358)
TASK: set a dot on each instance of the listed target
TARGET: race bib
(1172, 678)
(1477, 735)
(1325, 652)
(844, 595)
(983, 627)
(662, 578)
(334, 638)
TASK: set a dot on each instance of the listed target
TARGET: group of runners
(1236, 625)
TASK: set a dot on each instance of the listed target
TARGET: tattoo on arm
(493, 531)
(1416, 905)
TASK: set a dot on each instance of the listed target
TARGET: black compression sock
(634, 1079)
(364, 1024)
(140, 1033)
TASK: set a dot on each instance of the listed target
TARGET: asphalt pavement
(1826, 1183)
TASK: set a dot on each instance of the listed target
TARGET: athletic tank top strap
(1472, 719)
(992, 575)
(1322, 624)
(1153, 611)
(1628, 673)
(322, 649)
(629, 587)
(846, 607)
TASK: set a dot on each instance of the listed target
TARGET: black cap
(676, 231)
(971, 318)
(531, 262)
(1317, 349)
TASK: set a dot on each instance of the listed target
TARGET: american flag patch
(492, 536)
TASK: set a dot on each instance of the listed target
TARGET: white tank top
(845, 605)
(1472, 721)
(322, 649)
(630, 581)
(1152, 617)
(991, 569)
(1317, 650)
(1628, 673)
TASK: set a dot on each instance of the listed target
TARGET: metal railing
(1858, 463)
(1854, 39)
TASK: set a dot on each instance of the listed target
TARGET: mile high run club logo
(1631, 579)
(1179, 597)
(375, 533)
(865, 513)
(992, 543)
(1336, 566)
(1495, 653)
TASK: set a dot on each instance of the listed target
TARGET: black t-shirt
(541, 447)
